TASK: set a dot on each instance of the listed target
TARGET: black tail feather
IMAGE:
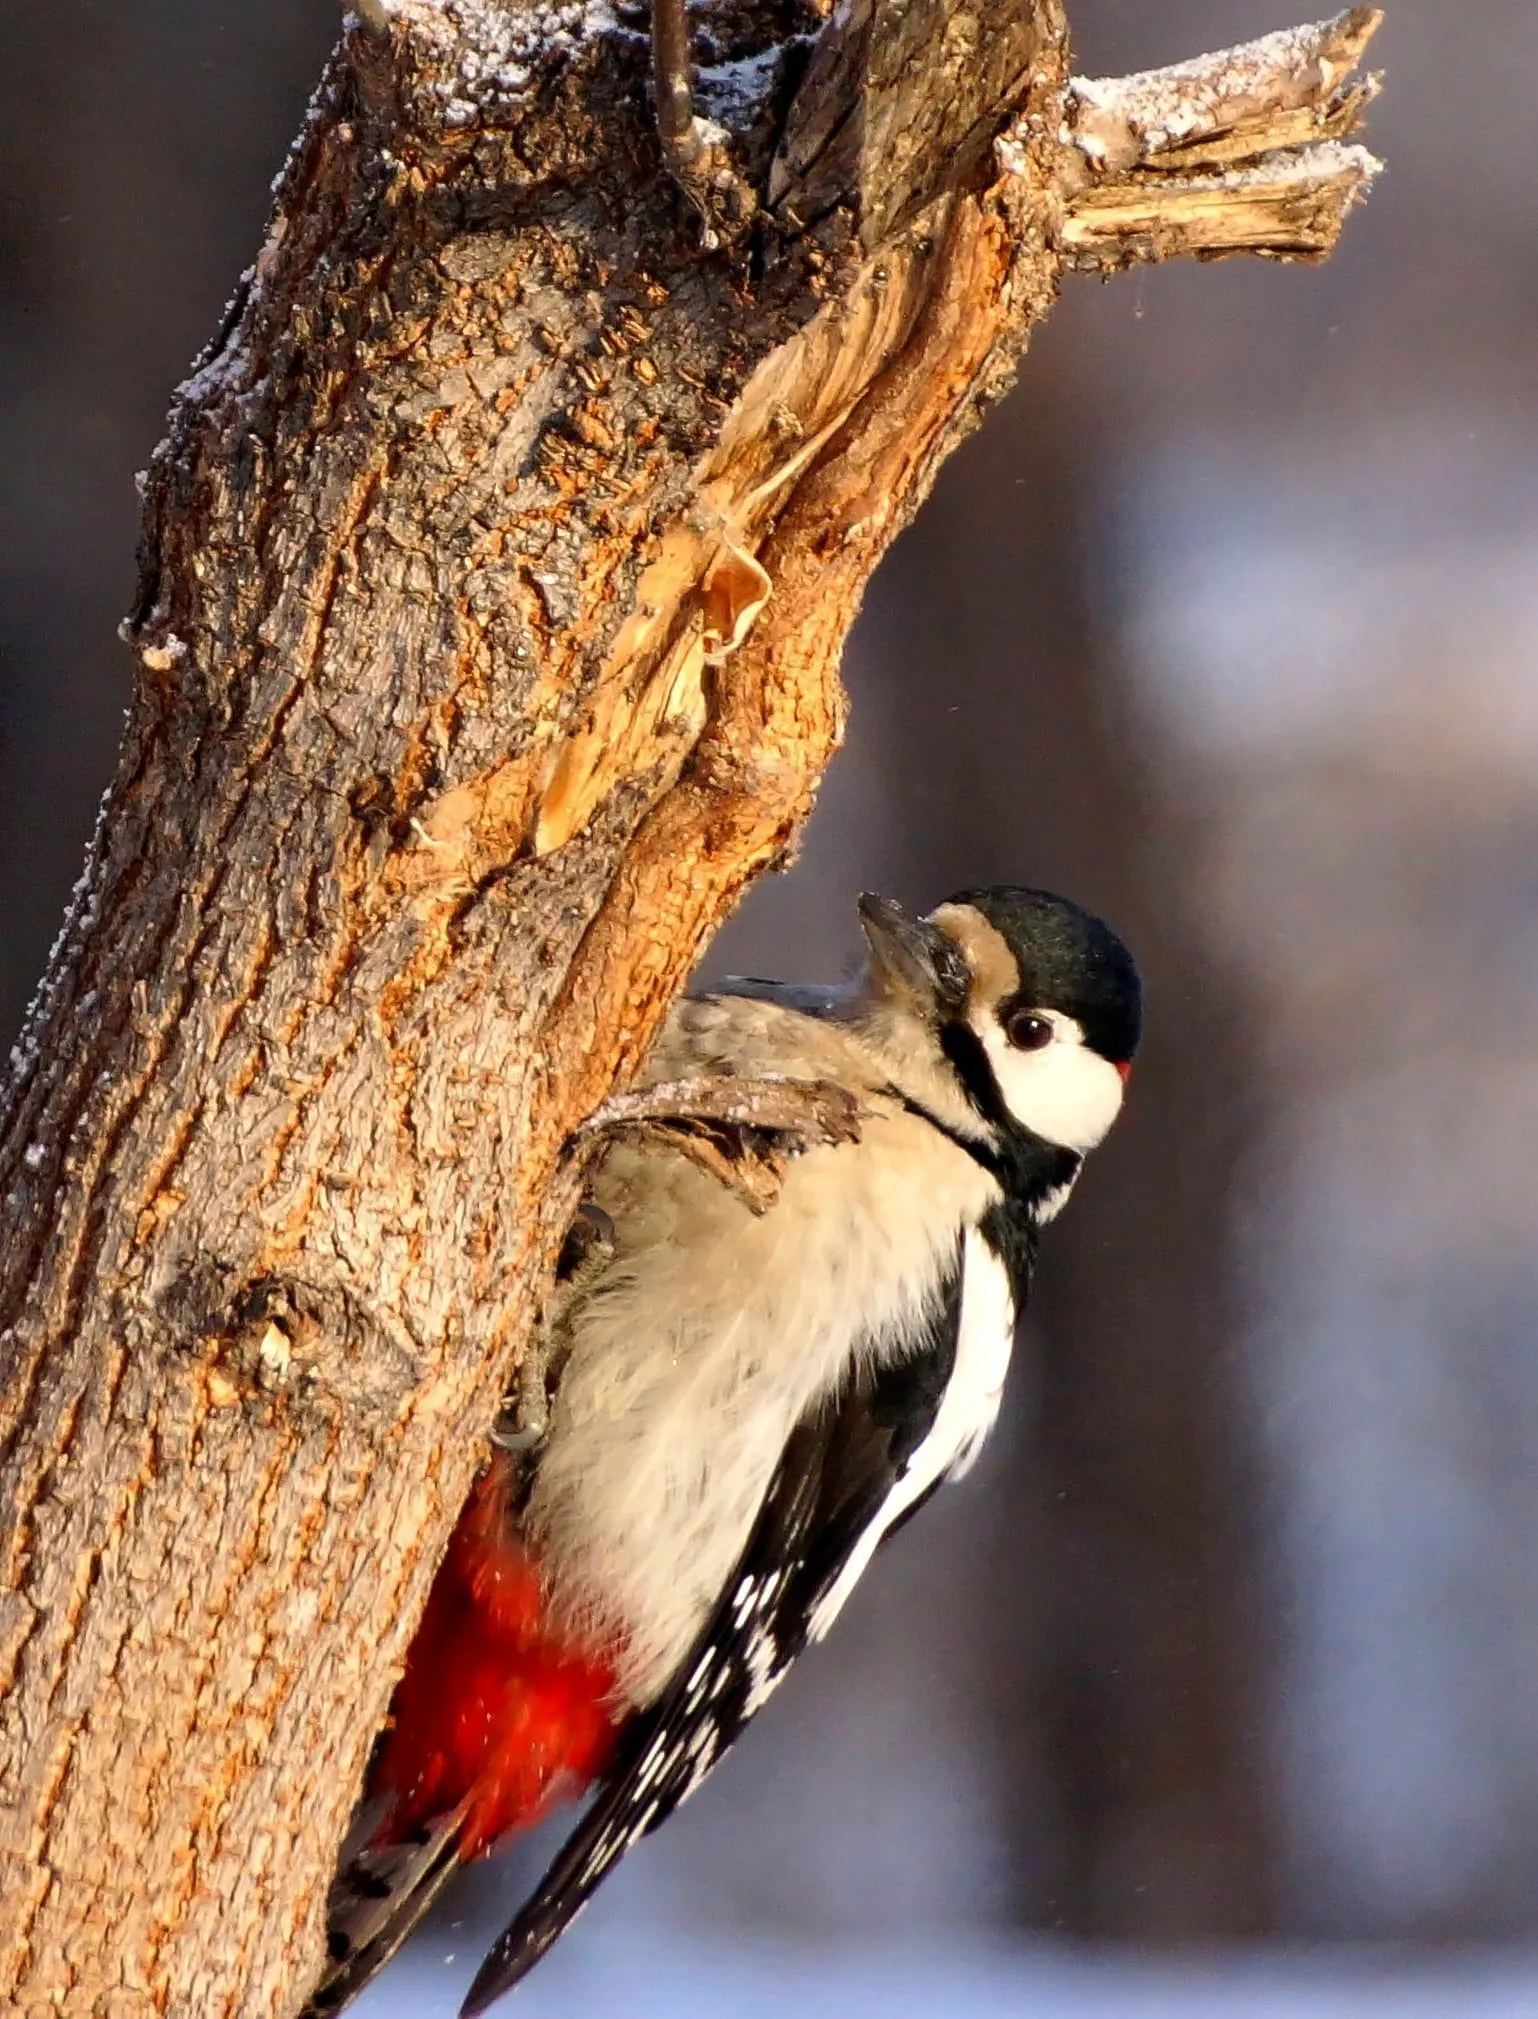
(562, 1894)
(377, 1898)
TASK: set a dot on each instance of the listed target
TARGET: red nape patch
(493, 1710)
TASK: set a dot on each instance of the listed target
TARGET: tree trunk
(494, 575)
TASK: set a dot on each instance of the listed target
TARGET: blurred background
(1212, 1690)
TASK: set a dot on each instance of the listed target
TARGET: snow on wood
(1246, 150)
(487, 52)
(1118, 121)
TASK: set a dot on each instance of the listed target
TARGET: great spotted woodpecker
(744, 1404)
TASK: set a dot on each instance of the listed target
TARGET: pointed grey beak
(914, 957)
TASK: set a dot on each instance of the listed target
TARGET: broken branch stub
(1242, 151)
(494, 574)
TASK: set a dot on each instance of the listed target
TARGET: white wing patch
(984, 1341)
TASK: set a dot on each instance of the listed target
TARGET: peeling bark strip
(743, 1132)
(495, 570)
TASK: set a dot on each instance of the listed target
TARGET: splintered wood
(1242, 151)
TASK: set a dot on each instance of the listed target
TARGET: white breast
(712, 1335)
(967, 1412)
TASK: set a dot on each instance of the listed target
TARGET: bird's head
(1033, 1003)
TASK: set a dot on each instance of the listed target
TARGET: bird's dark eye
(1028, 1030)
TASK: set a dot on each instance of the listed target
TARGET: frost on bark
(494, 575)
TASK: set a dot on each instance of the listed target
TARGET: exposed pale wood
(495, 570)
(1291, 205)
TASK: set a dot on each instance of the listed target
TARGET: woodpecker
(744, 1404)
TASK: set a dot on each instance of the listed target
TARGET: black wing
(838, 1472)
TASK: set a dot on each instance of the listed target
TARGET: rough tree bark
(495, 570)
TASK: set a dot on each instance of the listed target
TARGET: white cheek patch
(1065, 1093)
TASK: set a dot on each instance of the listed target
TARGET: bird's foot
(588, 1249)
